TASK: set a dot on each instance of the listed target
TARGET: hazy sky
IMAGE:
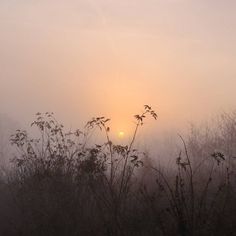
(82, 58)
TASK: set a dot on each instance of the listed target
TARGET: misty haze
(117, 118)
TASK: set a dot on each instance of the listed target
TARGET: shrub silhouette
(60, 184)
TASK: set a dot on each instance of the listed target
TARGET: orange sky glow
(88, 58)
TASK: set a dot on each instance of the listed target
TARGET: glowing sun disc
(121, 134)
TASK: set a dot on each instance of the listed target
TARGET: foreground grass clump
(60, 184)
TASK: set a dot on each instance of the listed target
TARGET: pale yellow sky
(82, 58)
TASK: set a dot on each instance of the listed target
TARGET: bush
(62, 185)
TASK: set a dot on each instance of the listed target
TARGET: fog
(88, 58)
(163, 71)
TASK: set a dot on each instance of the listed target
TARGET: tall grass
(60, 184)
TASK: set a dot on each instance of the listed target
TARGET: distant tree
(7, 127)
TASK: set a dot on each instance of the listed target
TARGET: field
(61, 184)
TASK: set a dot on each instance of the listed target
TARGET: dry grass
(61, 185)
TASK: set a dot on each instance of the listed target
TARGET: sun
(121, 134)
